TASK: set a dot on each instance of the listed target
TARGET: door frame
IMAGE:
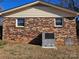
(43, 38)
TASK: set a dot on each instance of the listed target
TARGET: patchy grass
(2, 43)
(28, 51)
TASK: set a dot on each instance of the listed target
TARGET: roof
(39, 2)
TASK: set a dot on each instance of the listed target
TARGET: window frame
(43, 34)
(17, 23)
(44, 40)
(59, 25)
(49, 33)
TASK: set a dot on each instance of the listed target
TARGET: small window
(58, 22)
(49, 35)
(20, 22)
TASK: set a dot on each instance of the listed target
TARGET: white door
(48, 40)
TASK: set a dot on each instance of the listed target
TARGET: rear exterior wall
(36, 25)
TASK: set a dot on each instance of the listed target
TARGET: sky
(8, 4)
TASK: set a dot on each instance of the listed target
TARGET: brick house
(56, 25)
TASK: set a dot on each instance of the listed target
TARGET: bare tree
(1, 9)
(40, 0)
(71, 4)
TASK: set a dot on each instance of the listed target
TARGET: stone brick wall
(34, 26)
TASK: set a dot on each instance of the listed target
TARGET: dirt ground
(28, 51)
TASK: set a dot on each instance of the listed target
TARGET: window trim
(17, 23)
(59, 25)
(48, 32)
(43, 34)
